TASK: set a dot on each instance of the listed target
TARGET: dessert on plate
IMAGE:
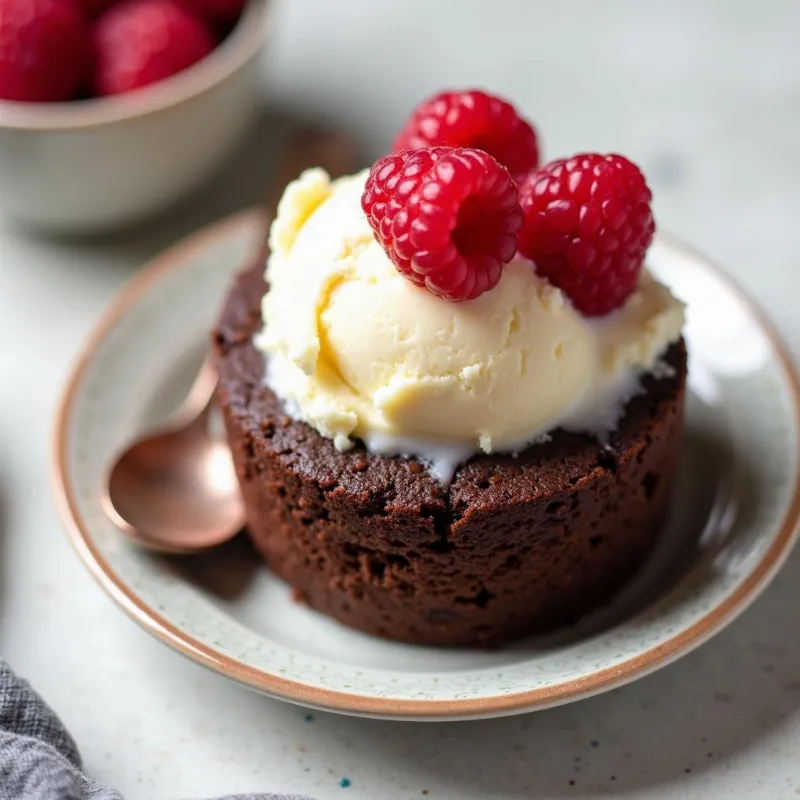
(455, 399)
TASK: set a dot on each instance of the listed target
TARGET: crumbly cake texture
(515, 545)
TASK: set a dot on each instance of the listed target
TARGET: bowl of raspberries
(111, 110)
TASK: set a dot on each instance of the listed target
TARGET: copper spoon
(176, 491)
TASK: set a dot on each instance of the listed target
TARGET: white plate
(733, 521)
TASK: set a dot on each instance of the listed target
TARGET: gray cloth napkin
(38, 758)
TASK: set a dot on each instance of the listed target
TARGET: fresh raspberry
(140, 42)
(217, 11)
(588, 225)
(473, 119)
(44, 50)
(448, 218)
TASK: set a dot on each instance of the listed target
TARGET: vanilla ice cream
(359, 352)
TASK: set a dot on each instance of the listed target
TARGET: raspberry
(140, 42)
(447, 217)
(44, 50)
(473, 119)
(217, 11)
(588, 225)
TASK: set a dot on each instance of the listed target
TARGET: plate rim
(681, 643)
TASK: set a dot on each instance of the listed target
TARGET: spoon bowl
(176, 495)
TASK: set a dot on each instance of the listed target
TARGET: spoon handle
(198, 404)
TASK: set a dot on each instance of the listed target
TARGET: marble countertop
(706, 96)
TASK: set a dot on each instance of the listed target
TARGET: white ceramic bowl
(93, 166)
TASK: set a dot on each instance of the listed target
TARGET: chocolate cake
(515, 545)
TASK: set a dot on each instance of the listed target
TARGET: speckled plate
(733, 520)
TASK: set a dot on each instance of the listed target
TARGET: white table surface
(706, 96)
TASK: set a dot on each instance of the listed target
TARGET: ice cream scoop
(359, 352)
